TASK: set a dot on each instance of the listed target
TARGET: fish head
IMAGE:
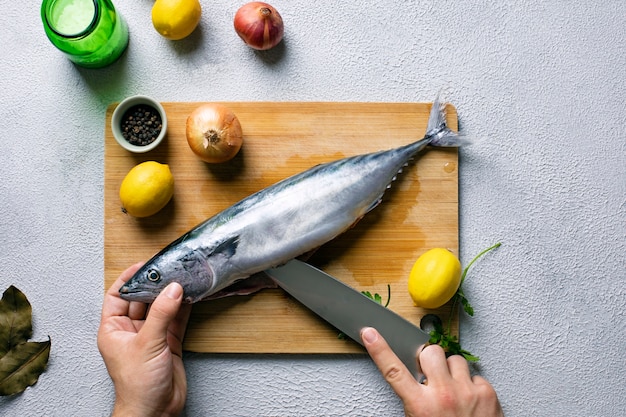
(183, 265)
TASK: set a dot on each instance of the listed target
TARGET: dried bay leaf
(15, 319)
(21, 367)
(21, 361)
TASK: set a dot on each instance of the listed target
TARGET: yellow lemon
(434, 278)
(176, 19)
(146, 189)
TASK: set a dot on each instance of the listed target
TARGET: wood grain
(419, 212)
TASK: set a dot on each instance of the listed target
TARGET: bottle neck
(72, 19)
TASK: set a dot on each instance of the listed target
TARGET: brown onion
(259, 25)
(214, 133)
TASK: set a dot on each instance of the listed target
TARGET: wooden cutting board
(419, 212)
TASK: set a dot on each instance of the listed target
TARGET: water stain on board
(384, 236)
(449, 167)
(293, 165)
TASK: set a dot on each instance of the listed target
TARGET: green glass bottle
(90, 32)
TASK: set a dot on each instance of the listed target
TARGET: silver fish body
(280, 222)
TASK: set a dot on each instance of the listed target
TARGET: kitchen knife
(349, 310)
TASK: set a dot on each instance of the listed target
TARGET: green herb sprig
(441, 336)
(377, 297)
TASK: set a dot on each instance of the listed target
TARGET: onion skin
(259, 25)
(214, 133)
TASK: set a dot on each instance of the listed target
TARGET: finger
(137, 310)
(459, 369)
(178, 328)
(113, 305)
(433, 363)
(162, 313)
(419, 367)
(479, 380)
(391, 367)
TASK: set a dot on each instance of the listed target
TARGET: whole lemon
(434, 278)
(146, 189)
(176, 19)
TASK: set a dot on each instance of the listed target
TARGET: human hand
(142, 348)
(449, 390)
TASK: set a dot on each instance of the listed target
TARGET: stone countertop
(539, 88)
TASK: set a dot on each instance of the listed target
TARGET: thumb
(162, 312)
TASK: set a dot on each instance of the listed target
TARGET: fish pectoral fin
(246, 286)
(374, 204)
(228, 247)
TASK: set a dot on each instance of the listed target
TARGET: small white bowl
(116, 123)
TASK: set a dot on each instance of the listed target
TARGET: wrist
(122, 409)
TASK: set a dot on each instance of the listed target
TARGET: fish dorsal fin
(379, 200)
(227, 247)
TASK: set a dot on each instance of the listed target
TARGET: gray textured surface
(539, 88)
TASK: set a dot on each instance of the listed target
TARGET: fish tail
(437, 131)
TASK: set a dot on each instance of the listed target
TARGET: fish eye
(153, 275)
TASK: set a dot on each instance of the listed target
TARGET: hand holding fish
(144, 344)
(450, 390)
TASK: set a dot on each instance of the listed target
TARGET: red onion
(259, 25)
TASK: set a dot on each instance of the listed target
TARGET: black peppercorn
(141, 124)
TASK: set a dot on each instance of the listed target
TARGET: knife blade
(349, 310)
